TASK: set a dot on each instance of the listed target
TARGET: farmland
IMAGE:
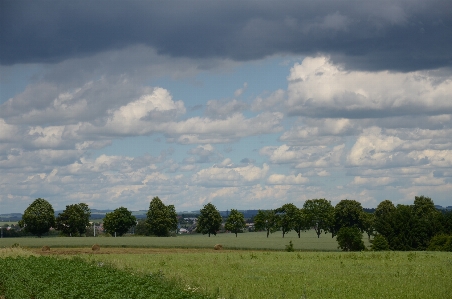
(252, 266)
(254, 240)
(50, 278)
(245, 274)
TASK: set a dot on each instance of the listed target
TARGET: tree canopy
(300, 222)
(162, 219)
(38, 218)
(286, 217)
(368, 223)
(235, 222)
(73, 220)
(266, 220)
(347, 213)
(319, 214)
(209, 221)
(409, 227)
(384, 215)
(119, 221)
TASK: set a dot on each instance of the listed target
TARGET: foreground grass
(263, 270)
(255, 240)
(52, 278)
(247, 274)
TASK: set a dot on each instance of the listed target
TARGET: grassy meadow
(270, 274)
(253, 240)
(253, 266)
(2, 223)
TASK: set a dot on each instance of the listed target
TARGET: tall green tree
(286, 217)
(162, 219)
(38, 218)
(319, 214)
(300, 222)
(384, 219)
(235, 222)
(348, 213)
(266, 220)
(429, 221)
(74, 220)
(209, 221)
(404, 223)
(368, 223)
(447, 222)
(408, 227)
(119, 221)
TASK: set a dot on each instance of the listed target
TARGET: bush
(441, 243)
(379, 243)
(350, 239)
(289, 248)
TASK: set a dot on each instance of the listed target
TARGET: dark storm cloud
(397, 35)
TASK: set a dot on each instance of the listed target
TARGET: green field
(264, 270)
(264, 274)
(48, 277)
(2, 223)
(254, 240)
(247, 274)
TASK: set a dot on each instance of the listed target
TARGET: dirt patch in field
(115, 250)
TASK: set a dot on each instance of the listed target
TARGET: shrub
(441, 243)
(289, 248)
(379, 243)
(350, 239)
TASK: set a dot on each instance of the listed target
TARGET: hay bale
(95, 247)
(45, 248)
(218, 247)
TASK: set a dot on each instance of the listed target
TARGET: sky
(244, 104)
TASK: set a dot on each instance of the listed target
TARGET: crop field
(259, 274)
(253, 240)
(252, 266)
(73, 278)
(2, 223)
(247, 274)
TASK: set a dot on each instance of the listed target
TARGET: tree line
(419, 226)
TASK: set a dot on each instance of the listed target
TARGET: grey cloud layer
(395, 35)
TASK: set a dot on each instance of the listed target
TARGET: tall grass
(248, 274)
